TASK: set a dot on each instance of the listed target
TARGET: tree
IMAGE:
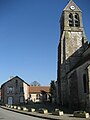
(52, 87)
(35, 83)
(53, 91)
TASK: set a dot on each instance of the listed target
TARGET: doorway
(10, 100)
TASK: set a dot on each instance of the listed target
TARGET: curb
(32, 114)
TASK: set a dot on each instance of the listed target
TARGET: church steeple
(71, 47)
(71, 18)
(72, 27)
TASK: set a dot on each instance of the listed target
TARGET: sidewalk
(46, 116)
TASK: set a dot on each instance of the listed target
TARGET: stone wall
(83, 99)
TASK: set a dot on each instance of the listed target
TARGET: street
(9, 115)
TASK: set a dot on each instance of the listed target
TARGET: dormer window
(77, 21)
(70, 20)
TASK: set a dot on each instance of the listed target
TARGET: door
(10, 100)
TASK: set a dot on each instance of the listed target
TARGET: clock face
(72, 7)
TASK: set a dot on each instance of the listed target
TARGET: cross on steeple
(70, 0)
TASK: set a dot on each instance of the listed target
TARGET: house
(17, 91)
(73, 73)
(14, 91)
(39, 93)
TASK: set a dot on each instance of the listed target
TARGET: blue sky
(29, 37)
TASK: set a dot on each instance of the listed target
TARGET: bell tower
(73, 43)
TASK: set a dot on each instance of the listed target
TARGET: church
(73, 72)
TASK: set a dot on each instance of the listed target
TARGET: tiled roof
(38, 89)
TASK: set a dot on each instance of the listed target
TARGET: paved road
(9, 115)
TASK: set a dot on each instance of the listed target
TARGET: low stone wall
(15, 107)
(11, 106)
(19, 108)
(32, 110)
(25, 109)
(57, 112)
(81, 114)
(42, 110)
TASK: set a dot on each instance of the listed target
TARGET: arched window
(77, 21)
(85, 83)
(70, 20)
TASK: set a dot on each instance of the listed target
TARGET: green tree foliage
(52, 87)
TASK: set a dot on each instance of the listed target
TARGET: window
(70, 20)
(10, 89)
(21, 89)
(85, 83)
(77, 22)
(37, 96)
(21, 99)
(16, 83)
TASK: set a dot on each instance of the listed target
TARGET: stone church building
(73, 73)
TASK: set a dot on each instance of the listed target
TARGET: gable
(14, 78)
(71, 6)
